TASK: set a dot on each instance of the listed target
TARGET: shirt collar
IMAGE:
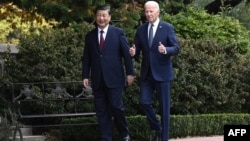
(105, 29)
(156, 22)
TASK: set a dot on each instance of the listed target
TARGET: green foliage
(211, 70)
(240, 12)
(131, 99)
(205, 124)
(139, 127)
(197, 24)
(14, 21)
(4, 29)
(210, 78)
(199, 4)
(127, 17)
(180, 126)
(5, 129)
(5, 120)
(49, 55)
(55, 10)
(69, 11)
(172, 6)
(5, 106)
(90, 131)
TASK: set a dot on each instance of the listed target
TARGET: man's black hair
(102, 7)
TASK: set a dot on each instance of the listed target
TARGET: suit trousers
(108, 104)
(147, 88)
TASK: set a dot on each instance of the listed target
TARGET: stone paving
(207, 138)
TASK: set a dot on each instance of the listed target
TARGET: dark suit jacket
(109, 61)
(161, 64)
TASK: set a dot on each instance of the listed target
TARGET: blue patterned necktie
(150, 36)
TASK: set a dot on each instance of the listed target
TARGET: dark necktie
(101, 39)
(150, 36)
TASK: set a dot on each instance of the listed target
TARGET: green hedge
(204, 124)
(181, 126)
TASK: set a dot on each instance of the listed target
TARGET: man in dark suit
(157, 47)
(106, 48)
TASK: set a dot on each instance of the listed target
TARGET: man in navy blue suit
(156, 68)
(106, 48)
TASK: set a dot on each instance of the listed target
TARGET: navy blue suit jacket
(110, 62)
(161, 64)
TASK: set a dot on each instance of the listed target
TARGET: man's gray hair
(153, 3)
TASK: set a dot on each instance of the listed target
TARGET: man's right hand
(86, 83)
(132, 50)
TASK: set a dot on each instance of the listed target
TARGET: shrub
(197, 24)
(180, 126)
(210, 78)
(53, 54)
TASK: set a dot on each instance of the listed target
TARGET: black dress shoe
(127, 138)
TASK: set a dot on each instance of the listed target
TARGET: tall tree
(75, 11)
(215, 6)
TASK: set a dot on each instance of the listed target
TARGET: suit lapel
(145, 33)
(97, 45)
(107, 39)
(158, 33)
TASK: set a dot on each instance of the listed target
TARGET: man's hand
(130, 79)
(162, 49)
(86, 83)
(132, 50)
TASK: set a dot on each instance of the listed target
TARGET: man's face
(151, 12)
(102, 18)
